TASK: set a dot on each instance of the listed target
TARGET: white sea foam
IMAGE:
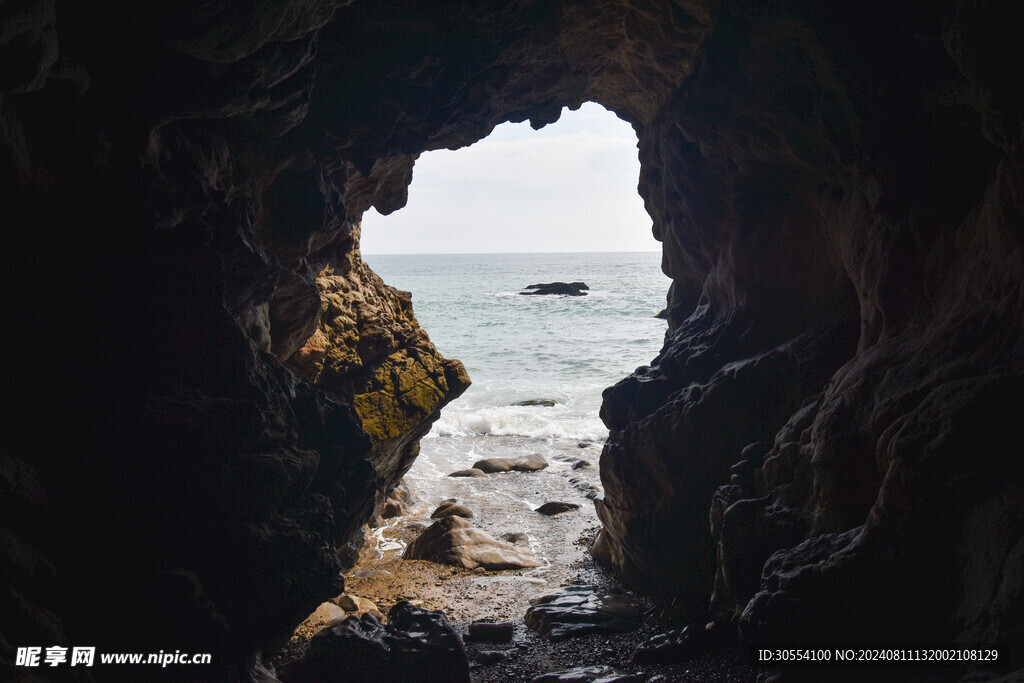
(538, 422)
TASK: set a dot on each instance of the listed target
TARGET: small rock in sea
(580, 464)
(562, 288)
(662, 314)
(545, 402)
(532, 463)
(588, 674)
(585, 487)
(556, 507)
(489, 657)
(449, 508)
(471, 472)
(582, 445)
(490, 632)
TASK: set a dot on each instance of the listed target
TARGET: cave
(823, 450)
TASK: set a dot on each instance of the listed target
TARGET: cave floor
(466, 596)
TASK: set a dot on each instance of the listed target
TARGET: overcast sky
(571, 186)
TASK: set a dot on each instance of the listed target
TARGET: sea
(538, 365)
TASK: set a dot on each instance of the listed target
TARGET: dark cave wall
(857, 168)
(838, 192)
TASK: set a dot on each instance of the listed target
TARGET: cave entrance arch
(538, 364)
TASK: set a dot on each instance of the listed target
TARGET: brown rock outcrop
(369, 351)
(837, 187)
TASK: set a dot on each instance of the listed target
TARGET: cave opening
(483, 223)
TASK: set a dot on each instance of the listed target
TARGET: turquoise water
(518, 348)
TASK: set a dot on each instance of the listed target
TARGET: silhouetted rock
(545, 402)
(563, 288)
(416, 645)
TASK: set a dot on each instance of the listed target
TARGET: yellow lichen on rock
(369, 350)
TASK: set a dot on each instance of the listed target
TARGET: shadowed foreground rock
(416, 645)
(581, 610)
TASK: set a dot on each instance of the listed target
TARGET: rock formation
(562, 288)
(196, 347)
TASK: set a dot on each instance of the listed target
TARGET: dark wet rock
(662, 314)
(471, 472)
(585, 487)
(533, 463)
(491, 632)
(580, 464)
(449, 508)
(672, 647)
(416, 644)
(563, 288)
(556, 507)
(455, 541)
(582, 610)
(589, 674)
(544, 402)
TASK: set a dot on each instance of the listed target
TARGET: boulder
(532, 463)
(581, 610)
(417, 644)
(455, 541)
(449, 508)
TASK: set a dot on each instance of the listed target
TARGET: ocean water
(561, 350)
(518, 348)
